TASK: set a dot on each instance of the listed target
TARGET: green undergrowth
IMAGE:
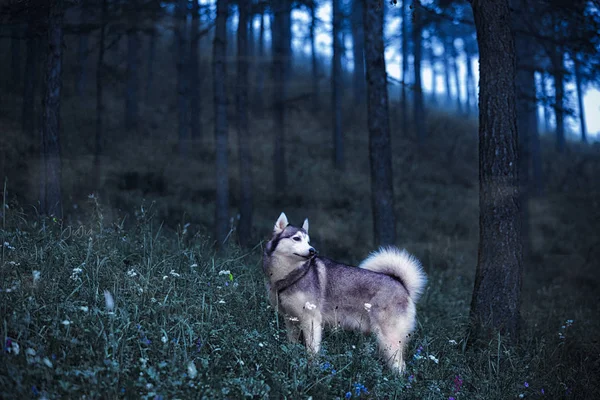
(101, 310)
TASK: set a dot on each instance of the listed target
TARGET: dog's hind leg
(312, 329)
(393, 337)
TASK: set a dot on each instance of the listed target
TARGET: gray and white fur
(313, 292)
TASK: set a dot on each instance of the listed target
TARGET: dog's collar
(292, 277)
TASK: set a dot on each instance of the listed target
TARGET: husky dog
(312, 291)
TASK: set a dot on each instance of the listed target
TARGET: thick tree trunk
(244, 141)
(336, 89)
(404, 68)
(558, 65)
(151, 56)
(380, 153)
(194, 70)
(496, 295)
(419, 106)
(316, 103)
(259, 103)
(51, 203)
(358, 51)
(15, 52)
(221, 129)
(281, 35)
(82, 51)
(454, 62)
(578, 85)
(99, 94)
(446, 58)
(181, 35)
(29, 87)
(132, 85)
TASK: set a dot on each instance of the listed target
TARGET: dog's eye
(297, 239)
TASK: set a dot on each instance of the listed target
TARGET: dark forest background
(146, 146)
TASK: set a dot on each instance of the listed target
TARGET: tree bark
(221, 129)
(432, 64)
(578, 85)
(194, 70)
(404, 69)
(181, 34)
(82, 51)
(15, 52)
(336, 89)
(244, 140)
(51, 203)
(132, 85)
(558, 65)
(496, 295)
(380, 153)
(419, 106)
(446, 57)
(470, 83)
(314, 59)
(151, 56)
(100, 94)
(358, 50)
(259, 103)
(30, 84)
(280, 34)
(454, 63)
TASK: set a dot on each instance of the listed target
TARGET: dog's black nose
(312, 251)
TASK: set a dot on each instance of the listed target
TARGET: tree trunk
(358, 50)
(496, 295)
(194, 70)
(380, 153)
(432, 64)
(221, 129)
(314, 60)
(151, 56)
(454, 62)
(15, 52)
(470, 83)
(558, 64)
(82, 51)
(132, 85)
(578, 85)
(51, 186)
(404, 69)
(99, 94)
(544, 85)
(29, 87)
(259, 105)
(447, 43)
(244, 141)
(336, 89)
(181, 34)
(419, 106)
(280, 35)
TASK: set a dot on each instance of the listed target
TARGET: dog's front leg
(312, 329)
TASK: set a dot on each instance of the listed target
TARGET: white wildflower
(66, 322)
(36, 276)
(153, 300)
(76, 273)
(14, 348)
(432, 358)
(84, 308)
(30, 352)
(192, 370)
(452, 341)
(165, 277)
(109, 300)
(175, 274)
(194, 265)
(164, 339)
(293, 319)
(131, 273)
(221, 301)
(368, 307)
(224, 272)
(261, 344)
(47, 362)
(8, 246)
(309, 306)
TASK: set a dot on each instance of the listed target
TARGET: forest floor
(126, 298)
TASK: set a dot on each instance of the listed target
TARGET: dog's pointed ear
(281, 223)
(305, 225)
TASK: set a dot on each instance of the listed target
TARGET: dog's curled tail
(401, 265)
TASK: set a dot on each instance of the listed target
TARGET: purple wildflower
(526, 384)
